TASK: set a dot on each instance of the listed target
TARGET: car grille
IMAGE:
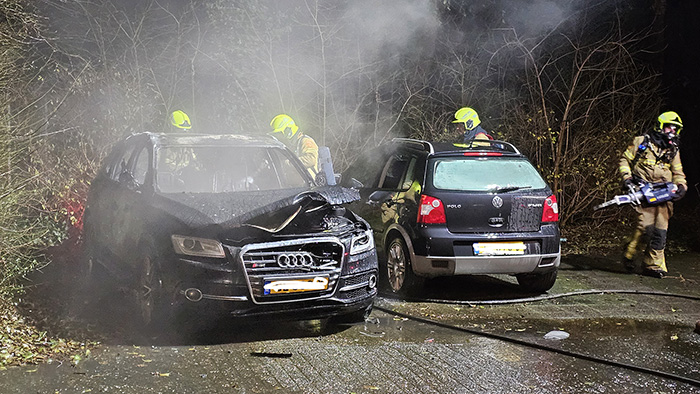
(297, 261)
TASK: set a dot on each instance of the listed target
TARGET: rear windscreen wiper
(510, 188)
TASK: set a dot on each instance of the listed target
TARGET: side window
(141, 166)
(120, 164)
(410, 174)
(393, 173)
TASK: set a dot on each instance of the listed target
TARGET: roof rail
(424, 145)
(489, 144)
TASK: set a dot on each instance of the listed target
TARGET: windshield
(467, 174)
(225, 169)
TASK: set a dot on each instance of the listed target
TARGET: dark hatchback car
(440, 209)
(226, 224)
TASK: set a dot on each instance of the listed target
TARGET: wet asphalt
(447, 337)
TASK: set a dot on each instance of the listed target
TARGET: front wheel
(398, 270)
(152, 309)
(537, 283)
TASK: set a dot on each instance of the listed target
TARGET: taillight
(550, 212)
(431, 210)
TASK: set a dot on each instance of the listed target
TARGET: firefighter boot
(654, 263)
(631, 250)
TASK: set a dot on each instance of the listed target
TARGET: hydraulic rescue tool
(651, 193)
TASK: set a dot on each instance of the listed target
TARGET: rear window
(468, 174)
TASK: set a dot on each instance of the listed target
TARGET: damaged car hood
(267, 210)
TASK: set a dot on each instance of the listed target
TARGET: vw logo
(294, 260)
(497, 202)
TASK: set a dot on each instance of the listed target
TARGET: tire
(151, 308)
(537, 283)
(398, 271)
(85, 274)
(85, 291)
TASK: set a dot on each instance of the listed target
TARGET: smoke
(329, 65)
(405, 26)
(532, 19)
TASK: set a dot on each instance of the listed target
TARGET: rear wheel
(537, 283)
(398, 270)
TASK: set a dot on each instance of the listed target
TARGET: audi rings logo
(295, 260)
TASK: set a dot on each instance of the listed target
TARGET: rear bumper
(438, 252)
(474, 265)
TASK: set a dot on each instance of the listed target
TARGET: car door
(134, 206)
(364, 175)
(102, 202)
(407, 196)
(129, 200)
(388, 203)
(480, 195)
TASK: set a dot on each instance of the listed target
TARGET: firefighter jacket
(476, 133)
(307, 151)
(651, 162)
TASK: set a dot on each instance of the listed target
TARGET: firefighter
(174, 160)
(304, 146)
(468, 123)
(653, 157)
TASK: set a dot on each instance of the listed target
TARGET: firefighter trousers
(650, 234)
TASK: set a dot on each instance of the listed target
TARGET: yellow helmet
(671, 118)
(283, 123)
(467, 116)
(180, 120)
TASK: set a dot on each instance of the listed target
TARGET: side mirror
(380, 197)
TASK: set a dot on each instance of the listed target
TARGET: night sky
(682, 77)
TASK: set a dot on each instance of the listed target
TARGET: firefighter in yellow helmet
(653, 157)
(304, 146)
(176, 159)
(180, 121)
(469, 124)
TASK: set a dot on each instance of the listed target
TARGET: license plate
(498, 248)
(284, 286)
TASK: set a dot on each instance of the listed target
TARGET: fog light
(193, 294)
(372, 281)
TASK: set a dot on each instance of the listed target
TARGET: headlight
(193, 246)
(362, 242)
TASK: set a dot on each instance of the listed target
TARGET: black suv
(440, 209)
(228, 224)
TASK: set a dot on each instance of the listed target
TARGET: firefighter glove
(680, 192)
(628, 184)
